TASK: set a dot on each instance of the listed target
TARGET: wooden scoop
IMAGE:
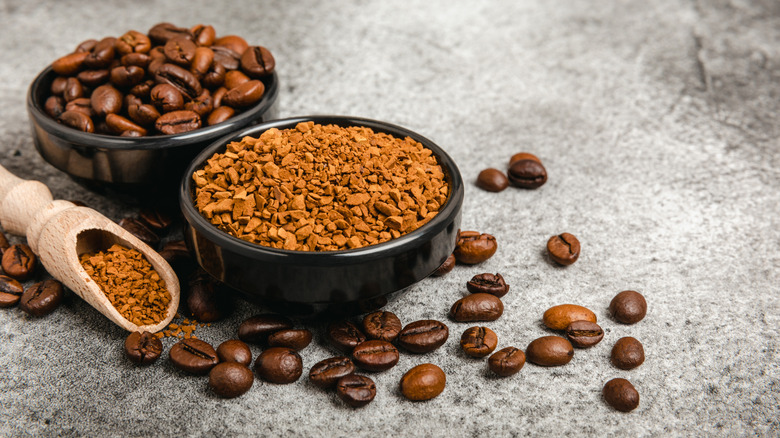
(59, 232)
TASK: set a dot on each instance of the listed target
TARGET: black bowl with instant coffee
(147, 168)
(320, 283)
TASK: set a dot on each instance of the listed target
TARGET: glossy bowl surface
(144, 168)
(324, 283)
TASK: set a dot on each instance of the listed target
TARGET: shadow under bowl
(145, 169)
(324, 283)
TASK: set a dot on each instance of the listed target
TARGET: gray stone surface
(657, 122)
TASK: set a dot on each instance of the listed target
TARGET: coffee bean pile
(168, 81)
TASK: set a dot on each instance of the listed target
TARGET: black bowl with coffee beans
(127, 114)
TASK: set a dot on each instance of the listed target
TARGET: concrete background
(657, 122)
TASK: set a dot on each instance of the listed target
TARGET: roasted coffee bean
(73, 89)
(106, 100)
(257, 61)
(230, 379)
(94, 78)
(203, 35)
(584, 334)
(3, 242)
(628, 307)
(279, 365)
(180, 51)
(42, 298)
(86, 45)
(446, 267)
(101, 55)
(527, 174)
(489, 284)
(234, 78)
(82, 105)
(492, 180)
(166, 97)
(206, 301)
(345, 336)
(564, 249)
(220, 114)
(297, 339)
(186, 82)
(549, 351)
(356, 390)
(201, 105)
(155, 219)
(54, 106)
(627, 353)
(58, 85)
(137, 59)
(423, 382)
(162, 32)
(477, 307)
(69, 64)
(133, 42)
(234, 350)
(19, 261)
(621, 395)
(523, 156)
(144, 89)
(423, 336)
(120, 124)
(144, 115)
(216, 98)
(193, 356)
(177, 122)
(507, 361)
(559, 317)
(126, 76)
(256, 329)
(478, 341)
(201, 61)
(77, 120)
(232, 42)
(143, 348)
(215, 76)
(10, 291)
(382, 325)
(375, 355)
(141, 231)
(326, 373)
(244, 95)
(472, 247)
(227, 58)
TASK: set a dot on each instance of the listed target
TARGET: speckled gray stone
(657, 123)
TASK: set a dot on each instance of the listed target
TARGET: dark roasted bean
(230, 379)
(627, 353)
(345, 336)
(489, 284)
(559, 317)
(584, 334)
(162, 32)
(492, 180)
(106, 100)
(54, 106)
(19, 261)
(477, 307)
(628, 307)
(180, 51)
(133, 42)
(206, 301)
(144, 115)
(177, 122)
(375, 355)
(94, 78)
(203, 35)
(186, 82)
(507, 361)
(549, 351)
(257, 61)
(193, 356)
(423, 336)
(69, 64)
(42, 298)
(256, 329)
(234, 350)
(10, 291)
(527, 174)
(120, 125)
(382, 325)
(472, 247)
(297, 339)
(621, 395)
(478, 341)
(244, 95)
(327, 372)
(143, 348)
(564, 248)
(77, 120)
(220, 114)
(126, 76)
(279, 365)
(73, 89)
(101, 55)
(356, 390)
(423, 382)
(446, 267)
(232, 42)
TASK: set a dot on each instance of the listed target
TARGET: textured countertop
(657, 122)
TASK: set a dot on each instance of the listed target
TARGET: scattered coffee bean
(297, 339)
(423, 336)
(345, 336)
(178, 122)
(628, 307)
(234, 350)
(141, 231)
(492, 180)
(375, 355)
(559, 317)
(230, 379)
(42, 298)
(256, 329)
(523, 156)
(423, 382)
(478, 341)
(77, 120)
(627, 353)
(507, 361)
(326, 373)
(356, 390)
(193, 356)
(489, 284)
(527, 174)
(3, 243)
(206, 301)
(10, 291)
(143, 348)
(155, 219)
(445, 267)
(621, 395)
(549, 351)
(19, 261)
(584, 334)
(564, 249)
(477, 307)
(279, 365)
(472, 247)
(382, 325)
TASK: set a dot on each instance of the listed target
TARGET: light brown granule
(320, 188)
(130, 283)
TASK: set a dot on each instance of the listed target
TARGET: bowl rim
(446, 215)
(104, 141)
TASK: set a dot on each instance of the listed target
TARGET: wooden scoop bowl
(59, 232)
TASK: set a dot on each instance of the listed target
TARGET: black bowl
(325, 283)
(137, 168)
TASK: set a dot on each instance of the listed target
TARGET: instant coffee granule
(320, 187)
(130, 283)
(181, 330)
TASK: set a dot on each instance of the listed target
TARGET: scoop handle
(20, 201)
